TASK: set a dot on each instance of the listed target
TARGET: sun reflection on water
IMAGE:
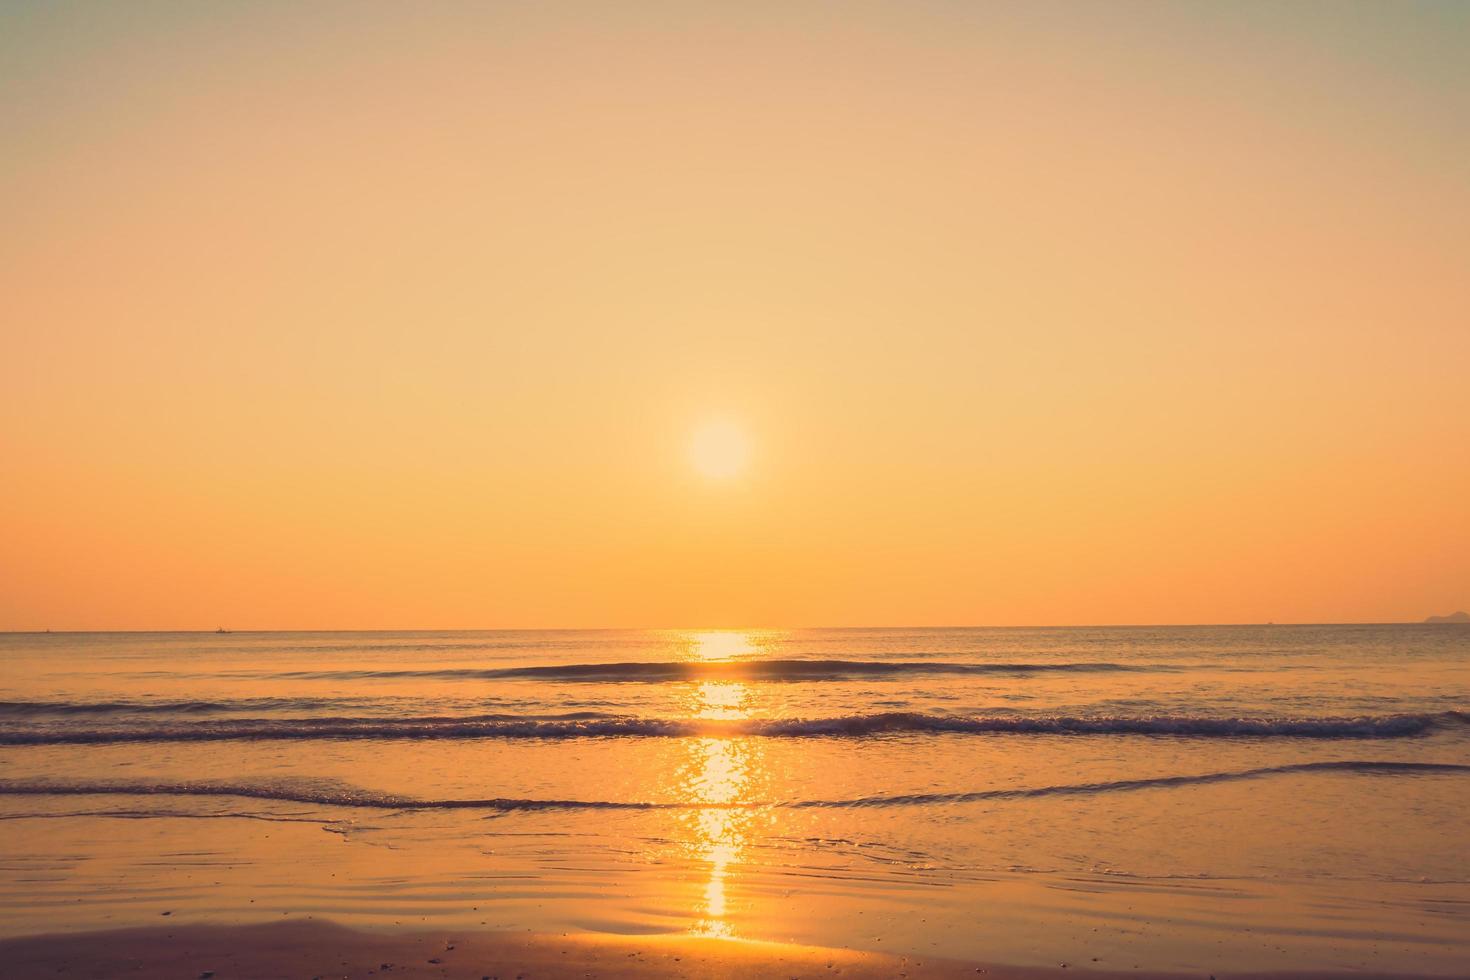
(723, 773)
(721, 700)
(719, 834)
(721, 645)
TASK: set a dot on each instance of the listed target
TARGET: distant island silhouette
(1454, 617)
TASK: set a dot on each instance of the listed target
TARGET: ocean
(1281, 796)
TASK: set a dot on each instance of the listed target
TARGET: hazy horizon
(710, 629)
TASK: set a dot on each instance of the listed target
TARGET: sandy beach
(325, 951)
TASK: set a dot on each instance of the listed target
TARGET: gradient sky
(406, 315)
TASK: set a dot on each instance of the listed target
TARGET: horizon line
(695, 629)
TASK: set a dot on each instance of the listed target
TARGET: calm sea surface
(1262, 797)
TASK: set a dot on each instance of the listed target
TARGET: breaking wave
(347, 796)
(592, 725)
(696, 670)
(24, 709)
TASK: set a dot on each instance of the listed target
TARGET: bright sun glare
(719, 449)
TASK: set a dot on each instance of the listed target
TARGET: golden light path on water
(721, 645)
(719, 771)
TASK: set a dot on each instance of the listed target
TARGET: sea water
(1272, 797)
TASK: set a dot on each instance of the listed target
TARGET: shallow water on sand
(1257, 797)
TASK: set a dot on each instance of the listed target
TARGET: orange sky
(376, 316)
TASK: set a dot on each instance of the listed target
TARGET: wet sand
(318, 950)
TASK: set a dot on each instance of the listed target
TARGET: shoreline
(324, 950)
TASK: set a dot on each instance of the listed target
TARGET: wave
(696, 670)
(590, 725)
(1154, 782)
(348, 796)
(163, 706)
(27, 709)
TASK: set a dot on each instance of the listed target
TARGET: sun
(719, 449)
